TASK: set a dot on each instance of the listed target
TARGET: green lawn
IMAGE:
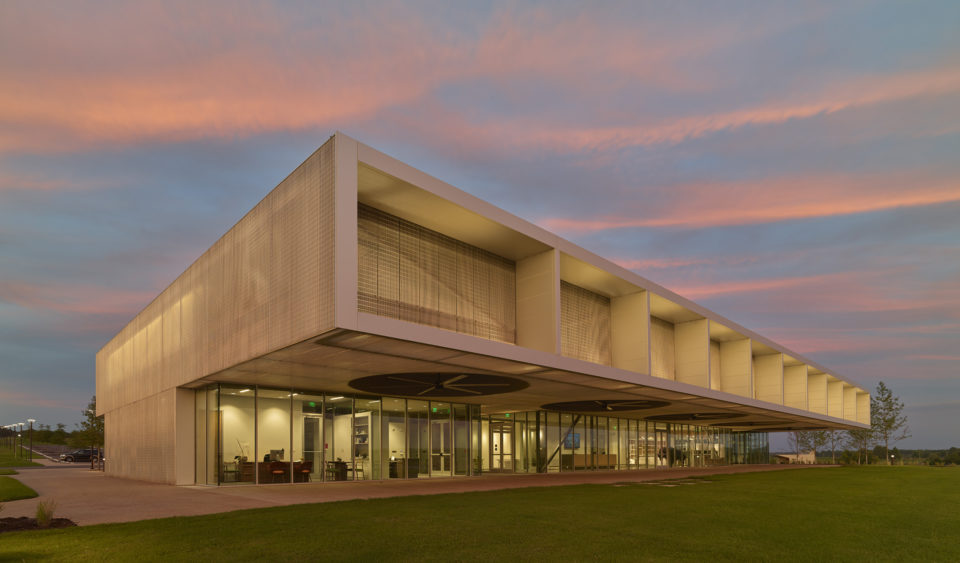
(836, 514)
(11, 489)
(8, 471)
(8, 459)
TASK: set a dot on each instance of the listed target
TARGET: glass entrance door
(501, 446)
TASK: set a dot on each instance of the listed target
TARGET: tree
(887, 420)
(834, 439)
(860, 440)
(90, 431)
(807, 440)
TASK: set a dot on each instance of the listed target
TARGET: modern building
(368, 321)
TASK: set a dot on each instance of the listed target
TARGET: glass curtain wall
(418, 435)
(237, 443)
(366, 438)
(394, 438)
(273, 436)
(246, 434)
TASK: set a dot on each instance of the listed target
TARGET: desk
(231, 472)
(336, 471)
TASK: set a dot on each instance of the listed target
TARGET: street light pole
(31, 421)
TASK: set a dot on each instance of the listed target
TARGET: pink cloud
(771, 200)
(225, 77)
(68, 298)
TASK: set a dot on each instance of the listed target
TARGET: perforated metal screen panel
(414, 274)
(584, 324)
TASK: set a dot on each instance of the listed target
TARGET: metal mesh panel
(584, 324)
(418, 275)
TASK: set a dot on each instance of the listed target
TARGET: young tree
(90, 431)
(860, 440)
(834, 439)
(887, 420)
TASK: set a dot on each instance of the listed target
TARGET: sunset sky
(793, 166)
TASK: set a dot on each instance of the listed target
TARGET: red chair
(278, 469)
(306, 468)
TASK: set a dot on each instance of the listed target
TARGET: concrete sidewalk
(90, 497)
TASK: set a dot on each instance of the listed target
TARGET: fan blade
(427, 390)
(452, 379)
(463, 389)
(407, 380)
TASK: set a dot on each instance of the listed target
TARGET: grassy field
(8, 459)
(11, 489)
(835, 514)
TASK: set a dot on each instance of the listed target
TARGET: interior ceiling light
(695, 416)
(746, 423)
(614, 405)
(431, 384)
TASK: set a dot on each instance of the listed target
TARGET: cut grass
(11, 489)
(835, 514)
(8, 471)
(8, 459)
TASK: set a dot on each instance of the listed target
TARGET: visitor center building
(368, 321)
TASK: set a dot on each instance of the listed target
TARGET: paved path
(90, 497)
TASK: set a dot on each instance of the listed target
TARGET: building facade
(368, 321)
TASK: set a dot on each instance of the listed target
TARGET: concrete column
(768, 378)
(538, 302)
(630, 332)
(795, 386)
(736, 367)
(834, 397)
(817, 392)
(863, 407)
(692, 348)
(849, 402)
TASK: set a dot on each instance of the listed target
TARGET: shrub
(45, 512)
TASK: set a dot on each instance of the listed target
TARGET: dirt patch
(23, 523)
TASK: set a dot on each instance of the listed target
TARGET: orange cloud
(770, 200)
(753, 286)
(261, 70)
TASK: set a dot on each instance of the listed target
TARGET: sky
(792, 166)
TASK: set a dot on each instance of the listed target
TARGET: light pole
(31, 421)
(20, 435)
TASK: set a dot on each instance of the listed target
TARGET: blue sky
(792, 166)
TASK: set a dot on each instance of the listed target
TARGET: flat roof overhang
(330, 361)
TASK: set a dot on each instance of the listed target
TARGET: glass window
(440, 447)
(476, 439)
(616, 460)
(461, 440)
(394, 438)
(418, 436)
(273, 436)
(307, 450)
(553, 441)
(338, 438)
(602, 457)
(238, 421)
(366, 438)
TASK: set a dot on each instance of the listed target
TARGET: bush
(45, 512)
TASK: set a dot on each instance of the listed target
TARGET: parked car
(81, 455)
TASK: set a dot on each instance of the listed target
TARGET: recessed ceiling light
(244, 390)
